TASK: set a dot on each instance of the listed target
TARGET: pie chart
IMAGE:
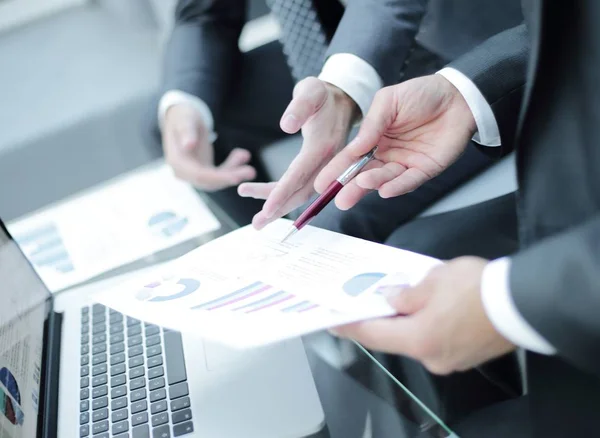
(167, 223)
(10, 402)
(360, 283)
(168, 290)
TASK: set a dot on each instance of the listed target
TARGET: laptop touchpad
(220, 357)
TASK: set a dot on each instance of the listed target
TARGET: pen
(325, 198)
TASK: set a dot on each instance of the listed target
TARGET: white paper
(123, 221)
(247, 289)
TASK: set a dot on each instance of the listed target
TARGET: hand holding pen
(329, 194)
(420, 128)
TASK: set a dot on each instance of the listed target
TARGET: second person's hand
(420, 126)
(191, 155)
(325, 114)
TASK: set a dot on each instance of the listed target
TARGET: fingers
(261, 219)
(390, 335)
(407, 301)
(310, 95)
(236, 158)
(372, 129)
(205, 176)
(212, 178)
(190, 154)
(375, 124)
(406, 182)
(256, 190)
(298, 176)
(373, 179)
(334, 169)
(352, 193)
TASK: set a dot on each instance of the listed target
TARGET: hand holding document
(248, 288)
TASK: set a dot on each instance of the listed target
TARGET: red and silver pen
(327, 196)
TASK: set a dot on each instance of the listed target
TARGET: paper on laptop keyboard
(248, 289)
(120, 222)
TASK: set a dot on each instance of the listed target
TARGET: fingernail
(290, 123)
(242, 191)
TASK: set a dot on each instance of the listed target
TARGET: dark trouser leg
(375, 218)
(250, 120)
(487, 230)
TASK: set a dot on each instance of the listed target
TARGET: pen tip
(293, 230)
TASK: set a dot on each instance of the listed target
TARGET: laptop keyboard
(133, 381)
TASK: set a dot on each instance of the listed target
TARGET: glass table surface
(360, 397)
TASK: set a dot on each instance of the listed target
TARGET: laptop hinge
(48, 420)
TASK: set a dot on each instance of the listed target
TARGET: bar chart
(257, 297)
(45, 248)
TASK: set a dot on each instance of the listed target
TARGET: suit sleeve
(555, 285)
(203, 52)
(381, 32)
(498, 67)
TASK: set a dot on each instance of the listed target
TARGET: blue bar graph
(45, 247)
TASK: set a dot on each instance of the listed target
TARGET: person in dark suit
(218, 107)
(537, 82)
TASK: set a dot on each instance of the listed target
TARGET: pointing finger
(256, 190)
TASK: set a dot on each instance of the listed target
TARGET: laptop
(72, 368)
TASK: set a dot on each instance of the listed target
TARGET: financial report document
(248, 289)
(120, 222)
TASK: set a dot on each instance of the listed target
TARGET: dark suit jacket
(542, 82)
(202, 55)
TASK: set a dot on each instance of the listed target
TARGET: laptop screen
(23, 311)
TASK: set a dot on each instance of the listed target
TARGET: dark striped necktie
(302, 36)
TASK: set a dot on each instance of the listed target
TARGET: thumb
(404, 300)
(310, 95)
(375, 124)
(372, 129)
(187, 136)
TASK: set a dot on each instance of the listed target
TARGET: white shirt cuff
(174, 97)
(487, 133)
(354, 76)
(502, 311)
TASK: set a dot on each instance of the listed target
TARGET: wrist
(456, 101)
(184, 116)
(346, 106)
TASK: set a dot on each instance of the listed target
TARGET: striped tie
(302, 36)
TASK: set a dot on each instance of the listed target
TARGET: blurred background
(76, 78)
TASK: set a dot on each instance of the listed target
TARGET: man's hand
(325, 114)
(191, 155)
(421, 127)
(443, 322)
